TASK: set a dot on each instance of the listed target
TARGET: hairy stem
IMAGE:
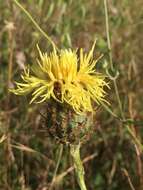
(79, 169)
(108, 33)
(35, 24)
(110, 57)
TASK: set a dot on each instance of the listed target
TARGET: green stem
(75, 152)
(57, 166)
(110, 57)
(137, 142)
(35, 23)
(108, 33)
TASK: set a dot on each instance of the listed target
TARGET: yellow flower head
(64, 77)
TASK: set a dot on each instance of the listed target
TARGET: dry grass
(27, 155)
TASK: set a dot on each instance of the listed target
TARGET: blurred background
(113, 158)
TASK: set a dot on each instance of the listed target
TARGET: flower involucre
(64, 77)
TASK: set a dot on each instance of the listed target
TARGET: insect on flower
(65, 77)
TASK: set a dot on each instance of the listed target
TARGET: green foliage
(28, 156)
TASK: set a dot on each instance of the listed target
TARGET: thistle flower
(66, 78)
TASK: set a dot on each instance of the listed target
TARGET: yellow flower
(66, 78)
